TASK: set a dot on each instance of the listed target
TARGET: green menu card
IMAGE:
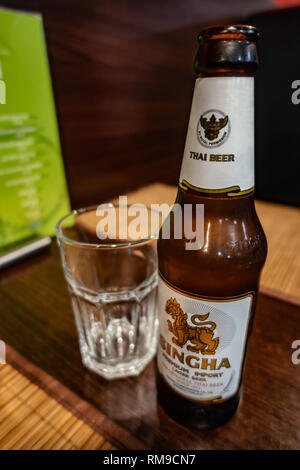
(33, 192)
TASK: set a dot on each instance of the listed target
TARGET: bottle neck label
(202, 343)
(219, 149)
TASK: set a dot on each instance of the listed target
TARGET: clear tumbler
(112, 279)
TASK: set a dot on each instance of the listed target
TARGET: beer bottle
(207, 296)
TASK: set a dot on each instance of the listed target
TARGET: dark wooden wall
(123, 78)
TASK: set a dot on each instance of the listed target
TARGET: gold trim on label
(231, 190)
(217, 399)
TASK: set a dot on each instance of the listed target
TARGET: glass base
(118, 371)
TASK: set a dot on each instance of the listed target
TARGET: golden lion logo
(213, 126)
(200, 336)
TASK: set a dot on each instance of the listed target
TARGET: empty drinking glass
(110, 264)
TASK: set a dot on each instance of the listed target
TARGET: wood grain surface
(36, 320)
(40, 326)
(123, 78)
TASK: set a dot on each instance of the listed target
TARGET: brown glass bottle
(225, 271)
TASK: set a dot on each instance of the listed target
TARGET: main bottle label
(202, 343)
(219, 148)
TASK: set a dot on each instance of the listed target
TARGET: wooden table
(37, 324)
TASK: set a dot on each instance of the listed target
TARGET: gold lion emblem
(213, 126)
(201, 337)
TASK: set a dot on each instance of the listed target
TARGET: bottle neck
(218, 158)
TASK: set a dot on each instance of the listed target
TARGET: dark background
(277, 119)
(123, 79)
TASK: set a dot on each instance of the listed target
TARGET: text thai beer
(207, 296)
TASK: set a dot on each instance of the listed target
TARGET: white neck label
(219, 148)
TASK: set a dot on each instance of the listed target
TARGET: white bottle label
(219, 148)
(202, 343)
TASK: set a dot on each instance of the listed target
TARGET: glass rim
(127, 244)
